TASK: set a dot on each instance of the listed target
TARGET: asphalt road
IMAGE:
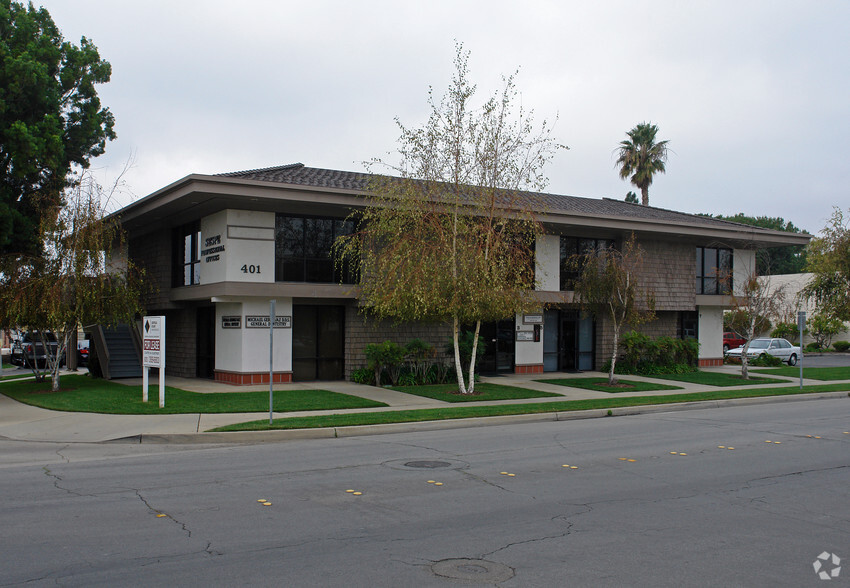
(694, 498)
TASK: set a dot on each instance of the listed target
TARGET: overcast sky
(753, 96)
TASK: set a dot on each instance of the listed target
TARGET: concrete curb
(250, 437)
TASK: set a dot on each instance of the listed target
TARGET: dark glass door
(318, 342)
(205, 342)
(499, 354)
(567, 343)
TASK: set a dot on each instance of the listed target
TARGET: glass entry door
(318, 342)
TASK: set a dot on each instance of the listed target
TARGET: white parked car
(777, 347)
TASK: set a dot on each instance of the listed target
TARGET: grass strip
(462, 412)
(601, 385)
(483, 392)
(718, 379)
(15, 377)
(812, 373)
(80, 393)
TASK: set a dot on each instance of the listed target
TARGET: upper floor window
(575, 246)
(304, 249)
(187, 255)
(714, 270)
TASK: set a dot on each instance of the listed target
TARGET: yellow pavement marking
(431, 482)
(504, 473)
(267, 504)
(160, 515)
(573, 467)
(261, 500)
(357, 493)
(438, 483)
(349, 490)
(721, 447)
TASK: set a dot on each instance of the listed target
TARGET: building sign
(231, 322)
(525, 335)
(212, 248)
(262, 322)
(532, 319)
(153, 341)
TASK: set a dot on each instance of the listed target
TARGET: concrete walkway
(27, 423)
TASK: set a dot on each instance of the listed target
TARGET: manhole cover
(423, 463)
(428, 464)
(473, 569)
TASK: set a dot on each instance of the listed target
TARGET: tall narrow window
(714, 270)
(187, 255)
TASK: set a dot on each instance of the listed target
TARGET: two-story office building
(218, 248)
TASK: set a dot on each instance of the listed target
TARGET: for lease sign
(153, 341)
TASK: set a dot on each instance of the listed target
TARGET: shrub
(363, 376)
(387, 355)
(814, 346)
(841, 346)
(665, 355)
(765, 360)
(785, 331)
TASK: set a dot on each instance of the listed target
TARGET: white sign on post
(153, 354)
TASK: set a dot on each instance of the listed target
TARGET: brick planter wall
(248, 379)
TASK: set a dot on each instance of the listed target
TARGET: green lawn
(449, 393)
(80, 393)
(719, 379)
(601, 385)
(460, 412)
(15, 376)
(821, 373)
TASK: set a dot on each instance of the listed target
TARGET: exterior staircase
(118, 351)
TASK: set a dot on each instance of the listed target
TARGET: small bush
(387, 356)
(841, 346)
(363, 376)
(765, 360)
(666, 355)
(813, 347)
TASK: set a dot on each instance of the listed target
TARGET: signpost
(153, 354)
(271, 359)
(801, 325)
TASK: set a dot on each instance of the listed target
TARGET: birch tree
(75, 280)
(753, 299)
(450, 235)
(608, 286)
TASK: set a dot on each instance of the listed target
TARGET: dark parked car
(732, 340)
(28, 350)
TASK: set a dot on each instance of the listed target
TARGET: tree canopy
(640, 157)
(790, 259)
(451, 236)
(51, 119)
(829, 260)
(81, 278)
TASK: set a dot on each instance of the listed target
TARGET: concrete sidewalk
(27, 423)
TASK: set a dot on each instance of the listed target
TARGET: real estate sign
(153, 353)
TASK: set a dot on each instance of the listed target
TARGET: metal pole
(271, 359)
(801, 325)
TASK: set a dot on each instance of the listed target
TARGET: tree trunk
(471, 388)
(611, 378)
(458, 367)
(644, 195)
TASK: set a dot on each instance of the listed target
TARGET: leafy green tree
(608, 286)
(823, 328)
(790, 259)
(640, 157)
(452, 239)
(81, 278)
(632, 198)
(828, 258)
(752, 301)
(51, 120)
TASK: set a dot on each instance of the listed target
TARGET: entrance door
(567, 343)
(318, 342)
(205, 342)
(498, 357)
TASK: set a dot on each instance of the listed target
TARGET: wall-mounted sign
(525, 335)
(532, 319)
(231, 322)
(262, 322)
(212, 248)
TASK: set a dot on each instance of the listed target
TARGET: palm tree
(641, 157)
